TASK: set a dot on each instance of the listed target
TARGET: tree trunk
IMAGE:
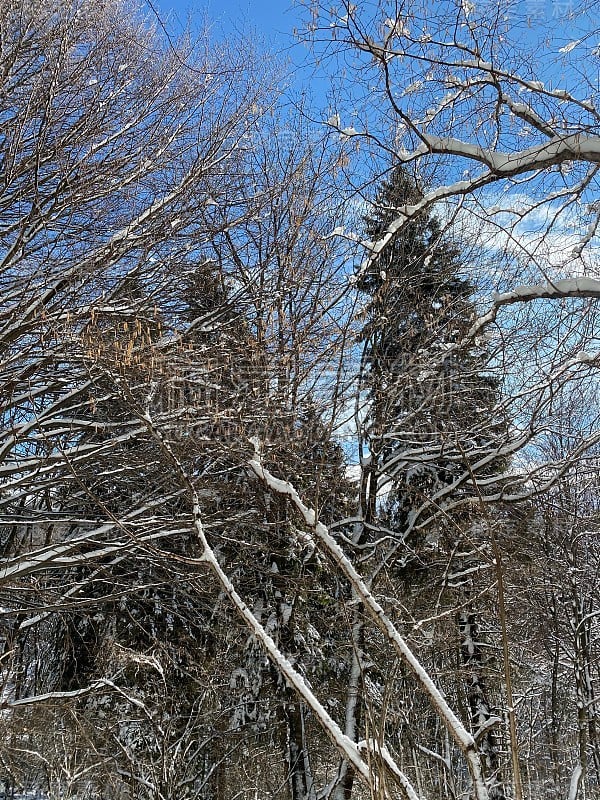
(479, 706)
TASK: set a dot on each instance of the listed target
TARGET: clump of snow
(413, 87)
(585, 358)
(468, 8)
(568, 47)
(396, 27)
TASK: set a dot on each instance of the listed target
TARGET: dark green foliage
(431, 397)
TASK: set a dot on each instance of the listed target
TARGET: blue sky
(275, 19)
(270, 23)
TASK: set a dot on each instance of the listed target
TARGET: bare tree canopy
(299, 420)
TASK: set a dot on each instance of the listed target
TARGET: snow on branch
(555, 151)
(55, 696)
(569, 287)
(75, 551)
(454, 726)
(576, 776)
(558, 149)
(374, 747)
(549, 290)
(345, 746)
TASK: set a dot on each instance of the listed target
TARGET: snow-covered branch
(456, 729)
(549, 290)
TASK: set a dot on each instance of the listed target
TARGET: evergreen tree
(431, 431)
(137, 616)
(430, 397)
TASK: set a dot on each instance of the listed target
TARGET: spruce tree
(430, 398)
(138, 617)
(431, 430)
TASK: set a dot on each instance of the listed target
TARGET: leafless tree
(175, 304)
(116, 146)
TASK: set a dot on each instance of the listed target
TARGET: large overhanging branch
(549, 290)
(499, 166)
(457, 730)
(576, 147)
(456, 98)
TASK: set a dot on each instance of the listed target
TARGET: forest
(299, 408)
